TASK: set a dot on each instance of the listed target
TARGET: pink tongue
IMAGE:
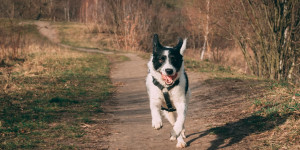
(168, 79)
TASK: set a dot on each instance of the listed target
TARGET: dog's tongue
(169, 79)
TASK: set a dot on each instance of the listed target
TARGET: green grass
(73, 88)
(45, 99)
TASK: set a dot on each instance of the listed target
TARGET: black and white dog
(167, 86)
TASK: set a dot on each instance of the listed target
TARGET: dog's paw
(157, 125)
(181, 144)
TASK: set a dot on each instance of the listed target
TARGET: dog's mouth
(169, 79)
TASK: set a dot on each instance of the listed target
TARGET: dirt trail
(48, 31)
(214, 103)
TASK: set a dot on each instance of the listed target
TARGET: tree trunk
(12, 11)
(96, 10)
(204, 47)
(86, 11)
(65, 10)
(205, 44)
(50, 10)
(68, 10)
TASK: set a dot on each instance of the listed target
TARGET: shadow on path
(237, 131)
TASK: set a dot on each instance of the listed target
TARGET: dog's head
(168, 60)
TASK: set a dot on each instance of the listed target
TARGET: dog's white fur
(178, 98)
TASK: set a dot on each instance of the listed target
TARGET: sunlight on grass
(279, 100)
(69, 83)
(45, 99)
(82, 35)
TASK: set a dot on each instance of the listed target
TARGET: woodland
(261, 37)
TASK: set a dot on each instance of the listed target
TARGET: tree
(267, 32)
(206, 31)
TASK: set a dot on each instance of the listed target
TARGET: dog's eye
(162, 59)
(173, 58)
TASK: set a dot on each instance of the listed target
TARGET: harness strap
(166, 92)
(168, 103)
(186, 83)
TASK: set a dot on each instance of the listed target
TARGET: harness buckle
(168, 109)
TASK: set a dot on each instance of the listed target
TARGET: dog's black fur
(175, 57)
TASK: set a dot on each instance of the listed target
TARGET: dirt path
(214, 103)
(48, 31)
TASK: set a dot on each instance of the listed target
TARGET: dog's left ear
(181, 45)
(156, 45)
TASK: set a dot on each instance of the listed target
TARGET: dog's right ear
(156, 45)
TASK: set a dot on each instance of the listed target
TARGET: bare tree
(206, 31)
(266, 31)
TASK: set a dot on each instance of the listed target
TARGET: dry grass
(281, 105)
(16, 42)
(83, 35)
(232, 58)
(47, 98)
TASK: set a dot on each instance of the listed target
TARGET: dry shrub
(227, 57)
(20, 42)
(12, 45)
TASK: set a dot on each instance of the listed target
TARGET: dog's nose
(169, 71)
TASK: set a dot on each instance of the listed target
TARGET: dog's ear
(156, 45)
(181, 46)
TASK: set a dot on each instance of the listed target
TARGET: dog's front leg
(181, 108)
(181, 113)
(155, 113)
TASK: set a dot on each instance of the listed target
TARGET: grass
(205, 66)
(83, 36)
(17, 41)
(274, 119)
(45, 99)
(73, 88)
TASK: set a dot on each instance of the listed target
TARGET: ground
(219, 116)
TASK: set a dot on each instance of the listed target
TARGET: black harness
(166, 90)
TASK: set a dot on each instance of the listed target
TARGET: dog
(168, 88)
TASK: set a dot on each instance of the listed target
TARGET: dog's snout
(169, 71)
